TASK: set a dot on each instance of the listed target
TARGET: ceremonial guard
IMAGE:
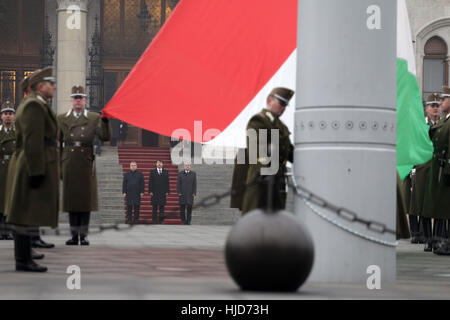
(420, 225)
(32, 196)
(248, 192)
(437, 192)
(78, 130)
(7, 148)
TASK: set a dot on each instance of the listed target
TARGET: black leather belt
(77, 144)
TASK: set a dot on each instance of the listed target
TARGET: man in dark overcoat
(7, 148)
(32, 196)
(158, 188)
(133, 188)
(78, 129)
(248, 192)
(187, 191)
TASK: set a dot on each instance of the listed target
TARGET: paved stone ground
(187, 262)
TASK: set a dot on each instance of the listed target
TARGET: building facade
(95, 43)
(430, 29)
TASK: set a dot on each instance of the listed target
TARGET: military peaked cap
(24, 84)
(40, 75)
(283, 94)
(433, 99)
(445, 92)
(7, 106)
(78, 91)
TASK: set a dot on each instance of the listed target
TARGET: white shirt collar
(40, 98)
(85, 113)
(3, 128)
(270, 116)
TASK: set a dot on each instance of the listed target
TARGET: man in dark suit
(133, 190)
(187, 190)
(158, 188)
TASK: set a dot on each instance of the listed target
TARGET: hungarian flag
(413, 143)
(206, 66)
(213, 63)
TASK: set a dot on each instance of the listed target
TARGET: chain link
(310, 200)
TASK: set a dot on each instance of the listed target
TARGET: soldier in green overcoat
(437, 193)
(7, 148)
(421, 225)
(248, 192)
(78, 130)
(402, 220)
(32, 194)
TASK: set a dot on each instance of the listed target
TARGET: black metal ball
(269, 251)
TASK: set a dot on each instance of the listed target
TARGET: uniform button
(71, 134)
(82, 128)
(14, 142)
(71, 150)
(82, 135)
(82, 150)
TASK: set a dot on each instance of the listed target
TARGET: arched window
(435, 68)
(21, 32)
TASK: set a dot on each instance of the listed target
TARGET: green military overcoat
(418, 184)
(402, 220)
(7, 148)
(246, 192)
(406, 189)
(77, 162)
(36, 155)
(437, 193)
(418, 188)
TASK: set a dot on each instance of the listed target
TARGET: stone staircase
(211, 179)
(109, 180)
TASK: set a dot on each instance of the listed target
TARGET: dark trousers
(420, 226)
(3, 227)
(79, 223)
(155, 213)
(440, 229)
(186, 219)
(22, 248)
(130, 207)
(414, 225)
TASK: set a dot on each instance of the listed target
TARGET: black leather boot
(73, 241)
(22, 252)
(84, 228)
(36, 256)
(443, 249)
(84, 240)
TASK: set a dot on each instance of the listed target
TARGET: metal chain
(308, 197)
(311, 199)
(205, 202)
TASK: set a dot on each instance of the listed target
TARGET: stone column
(71, 49)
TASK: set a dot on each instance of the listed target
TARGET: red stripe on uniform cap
(207, 63)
